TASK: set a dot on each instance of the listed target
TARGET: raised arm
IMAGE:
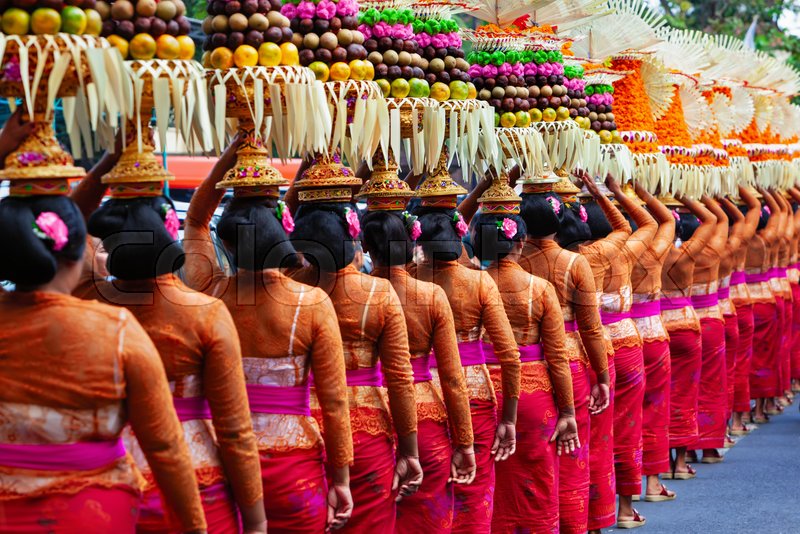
(584, 302)
(469, 206)
(770, 232)
(639, 242)
(736, 233)
(753, 213)
(720, 236)
(451, 376)
(704, 233)
(607, 249)
(201, 267)
(665, 235)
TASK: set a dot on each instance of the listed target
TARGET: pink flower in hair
(461, 226)
(769, 211)
(676, 215)
(416, 230)
(353, 224)
(509, 228)
(555, 204)
(171, 221)
(49, 226)
(583, 215)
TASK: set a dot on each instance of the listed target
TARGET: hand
(567, 435)
(599, 399)
(462, 466)
(13, 134)
(228, 157)
(589, 182)
(407, 476)
(505, 441)
(340, 506)
(612, 184)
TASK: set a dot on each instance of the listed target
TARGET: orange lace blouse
(430, 325)
(646, 282)
(199, 346)
(572, 278)
(477, 308)
(286, 330)
(535, 316)
(74, 371)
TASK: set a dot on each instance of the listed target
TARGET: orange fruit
(119, 43)
(245, 56)
(186, 47)
(358, 70)
(340, 71)
(143, 46)
(289, 54)
(16, 21)
(206, 60)
(370, 69)
(45, 21)
(167, 47)
(221, 58)
(269, 55)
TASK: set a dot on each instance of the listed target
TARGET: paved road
(755, 490)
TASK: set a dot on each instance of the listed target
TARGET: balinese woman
(73, 375)
(646, 313)
(572, 278)
(783, 286)
(740, 295)
(286, 331)
(388, 236)
(526, 490)
(794, 279)
(202, 357)
(477, 308)
(375, 339)
(682, 324)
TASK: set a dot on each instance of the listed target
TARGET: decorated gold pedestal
(439, 190)
(275, 108)
(385, 191)
(499, 198)
(70, 67)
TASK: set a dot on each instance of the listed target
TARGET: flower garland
(171, 221)
(49, 227)
(672, 130)
(283, 214)
(630, 98)
(353, 223)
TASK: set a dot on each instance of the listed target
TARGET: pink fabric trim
(291, 400)
(82, 456)
(191, 408)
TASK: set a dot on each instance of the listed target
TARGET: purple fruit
(339, 54)
(454, 73)
(444, 77)
(565, 101)
(418, 73)
(530, 80)
(173, 28)
(294, 24)
(478, 83)
(217, 7)
(206, 45)
(335, 24)
(525, 105)
(508, 104)
(541, 80)
(306, 26)
(125, 29)
(542, 102)
(489, 83)
(384, 44)
(441, 53)
(158, 28)
(495, 103)
(502, 81)
(286, 34)
(273, 35)
(306, 57)
(265, 6)
(573, 113)
(350, 23)
(395, 72)
(235, 40)
(512, 80)
(407, 72)
(324, 55)
(398, 45)
(232, 7)
(381, 70)
(142, 24)
(107, 28)
(321, 26)
(249, 7)
(275, 5)
(184, 25)
(410, 46)
(254, 38)
(431, 78)
(597, 126)
(606, 125)
(219, 40)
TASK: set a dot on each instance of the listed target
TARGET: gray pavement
(755, 490)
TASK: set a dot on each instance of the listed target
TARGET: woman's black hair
(387, 239)
(630, 220)
(763, 219)
(488, 239)
(138, 243)
(29, 260)
(598, 222)
(573, 230)
(689, 223)
(254, 235)
(439, 239)
(322, 235)
(537, 212)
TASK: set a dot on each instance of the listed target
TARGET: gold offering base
(252, 172)
(40, 156)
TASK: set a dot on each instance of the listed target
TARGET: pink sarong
(655, 408)
(221, 513)
(371, 475)
(295, 490)
(731, 356)
(795, 373)
(778, 357)
(763, 369)
(628, 400)
(573, 469)
(430, 510)
(744, 357)
(602, 482)
(786, 347)
(90, 510)
(712, 400)
(686, 356)
(527, 483)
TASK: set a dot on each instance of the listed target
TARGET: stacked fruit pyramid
(49, 17)
(247, 33)
(579, 100)
(327, 37)
(146, 29)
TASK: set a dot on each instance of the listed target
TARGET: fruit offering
(146, 29)
(576, 91)
(326, 35)
(388, 29)
(247, 33)
(49, 17)
(600, 103)
(443, 62)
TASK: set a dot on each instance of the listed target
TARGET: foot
(634, 520)
(598, 531)
(660, 494)
(711, 456)
(691, 457)
(729, 442)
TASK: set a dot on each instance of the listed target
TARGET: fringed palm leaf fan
(695, 109)
(728, 57)
(613, 34)
(682, 50)
(763, 110)
(658, 84)
(566, 14)
(782, 119)
(721, 109)
(504, 12)
(742, 107)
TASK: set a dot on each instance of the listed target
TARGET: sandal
(761, 420)
(712, 459)
(664, 495)
(729, 443)
(740, 432)
(635, 522)
(688, 475)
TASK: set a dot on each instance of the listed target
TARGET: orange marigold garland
(631, 98)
